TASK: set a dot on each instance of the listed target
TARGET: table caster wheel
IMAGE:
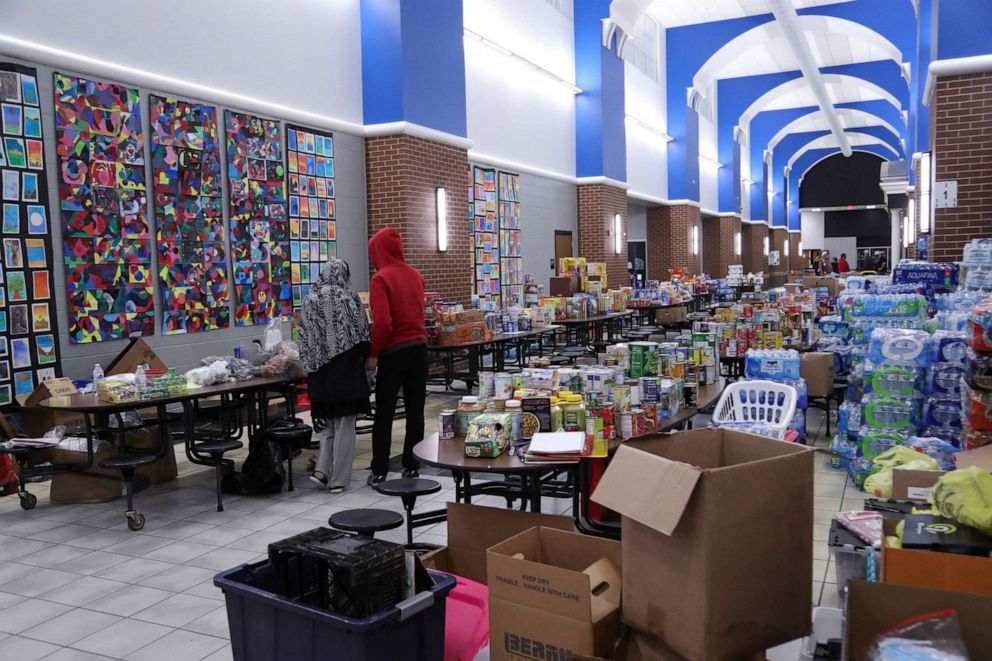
(135, 521)
(28, 501)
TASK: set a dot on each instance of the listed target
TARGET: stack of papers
(557, 447)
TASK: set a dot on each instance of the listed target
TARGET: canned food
(447, 424)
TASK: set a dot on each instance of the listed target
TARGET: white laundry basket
(762, 407)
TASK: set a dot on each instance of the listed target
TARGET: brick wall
(962, 152)
(668, 244)
(597, 205)
(753, 245)
(778, 274)
(718, 244)
(402, 173)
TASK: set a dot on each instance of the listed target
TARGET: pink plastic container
(466, 626)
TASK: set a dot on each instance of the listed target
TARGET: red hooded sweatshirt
(396, 295)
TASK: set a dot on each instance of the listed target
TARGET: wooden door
(563, 247)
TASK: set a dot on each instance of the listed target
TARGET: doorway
(563, 247)
(637, 260)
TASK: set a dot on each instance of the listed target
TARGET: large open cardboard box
(553, 595)
(137, 352)
(473, 529)
(717, 540)
(671, 315)
(873, 608)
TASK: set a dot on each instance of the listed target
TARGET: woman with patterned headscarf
(334, 342)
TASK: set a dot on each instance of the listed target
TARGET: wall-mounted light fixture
(786, 247)
(799, 248)
(737, 244)
(502, 50)
(441, 212)
(709, 160)
(617, 233)
(924, 188)
(766, 246)
(695, 239)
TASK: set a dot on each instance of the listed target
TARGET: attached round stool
(127, 464)
(211, 453)
(292, 437)
(408, 489)
(558, 361)
(366, 521)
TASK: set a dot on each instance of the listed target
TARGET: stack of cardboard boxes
(713, 564)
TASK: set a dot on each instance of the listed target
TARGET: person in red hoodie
(399, 350)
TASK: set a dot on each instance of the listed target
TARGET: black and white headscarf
(333, 319)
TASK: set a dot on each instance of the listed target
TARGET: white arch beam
(849, 118)
(856, 140)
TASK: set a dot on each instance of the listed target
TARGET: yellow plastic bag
(880, 484)
(966, 496)
(900, 455)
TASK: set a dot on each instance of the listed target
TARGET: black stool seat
(413, 486)
(561, 360)
(127, 461)
(217, 446)
(366, 521)
(291, 434)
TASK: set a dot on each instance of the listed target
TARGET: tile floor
(76, 584)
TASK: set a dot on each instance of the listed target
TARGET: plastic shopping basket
(267, 627)
(762, 407)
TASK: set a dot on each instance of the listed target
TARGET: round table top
(450, 454)
(598, 318)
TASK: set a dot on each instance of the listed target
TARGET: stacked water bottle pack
(977, 263)
(781, 366)
(909, 394)
(978, 391)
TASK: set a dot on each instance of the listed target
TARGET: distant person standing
(334, 342)
(834, 266)
(822, 265)
(842, 265)
(399, 351)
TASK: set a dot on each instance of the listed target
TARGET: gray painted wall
(637, 222)
(546, 205)
(185, 351)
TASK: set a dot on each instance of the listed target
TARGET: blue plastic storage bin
(267, 627)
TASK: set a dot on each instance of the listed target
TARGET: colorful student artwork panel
(260, 257)
(27, 326)
(312, 233)
(511, 264)
(104, 209)
(485, 236)
(189, 216)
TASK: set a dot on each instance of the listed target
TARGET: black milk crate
(348, 574)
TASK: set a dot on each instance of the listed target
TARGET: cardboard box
(473, 529)
(137, 352)
(671, 315)
(830, 282)
(914, 485)
(717, 543)
(793, 287)
(563, 286)
(874, 608)
(38, 420)
(553, 594)
(818, 370)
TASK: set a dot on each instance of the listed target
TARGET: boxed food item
(489, 435)
(643, 359)
(553, 591)
(704, 508)
(116, 391)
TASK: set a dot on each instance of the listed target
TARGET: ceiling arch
(850, 118)
(796, 93)
(764, 49)
(855, 140)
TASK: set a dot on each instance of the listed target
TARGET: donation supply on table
(633, 390)
(781, 366)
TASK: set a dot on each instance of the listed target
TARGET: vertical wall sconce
(766, 246)
(737, 244)
(617, 234)
(441, 211)
(786, 247)
(695, 239)
(923, 185)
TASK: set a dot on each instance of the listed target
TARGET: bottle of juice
(555, 414)
(573, 412)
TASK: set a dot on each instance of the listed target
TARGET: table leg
(535, 493)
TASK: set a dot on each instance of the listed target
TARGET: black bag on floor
(262, 472)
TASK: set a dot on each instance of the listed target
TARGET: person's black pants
(406, 369)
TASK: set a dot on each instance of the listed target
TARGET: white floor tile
(135, 569)
(40, 582)
(10, 571)
(178, 645)
(92, 562)
(178, 578)
(213, 623)
(128, 602)
(179, 552)
(26, 649)
(139, 545)
(223, 654)
(221, 559)
(70, 654)
(176, 611)
(83, 591)
(71, 626)
(120, 639)
(220, 536)
(28, 613)
(53, 555)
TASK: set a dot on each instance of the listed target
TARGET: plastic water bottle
(97, 374)
(140, 380)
